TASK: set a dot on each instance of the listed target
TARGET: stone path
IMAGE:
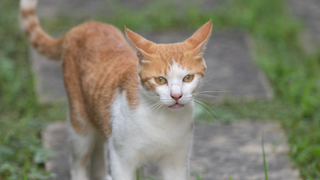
(220, 151)
(308, 12)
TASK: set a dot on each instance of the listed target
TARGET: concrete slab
(220, 151)
(308, 12)
(230, 68)
(48, 77)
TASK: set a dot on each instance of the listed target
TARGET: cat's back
(95, 47)
(96, 36)
(97, 50)
(97, 63)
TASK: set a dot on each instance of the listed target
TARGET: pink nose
(176, 96)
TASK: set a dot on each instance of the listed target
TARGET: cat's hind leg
(122, 161)
(81, 149)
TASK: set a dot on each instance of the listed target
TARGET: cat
(138, 102)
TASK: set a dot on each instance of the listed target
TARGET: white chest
(151, 133)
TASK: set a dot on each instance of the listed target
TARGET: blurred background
(280, 37)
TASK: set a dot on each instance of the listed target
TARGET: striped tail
(40, 40)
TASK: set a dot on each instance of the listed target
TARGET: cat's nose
(176, 92)
(176, 96)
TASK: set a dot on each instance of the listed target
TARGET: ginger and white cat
(140, 102)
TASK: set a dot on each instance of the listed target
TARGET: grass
(264, 160)
(21, 117)
(294, 76)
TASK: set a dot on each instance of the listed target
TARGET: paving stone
(308, 12)
(220, 151)
(48, 77)
(230, 68)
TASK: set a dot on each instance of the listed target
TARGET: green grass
(264, 160)
(293, 74)
(21, 118)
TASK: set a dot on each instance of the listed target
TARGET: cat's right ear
(143, 46)
(196, 43)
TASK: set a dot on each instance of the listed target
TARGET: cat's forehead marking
(175, 70)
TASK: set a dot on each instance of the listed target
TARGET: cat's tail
(40, 40)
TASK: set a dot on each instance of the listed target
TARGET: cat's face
(173, 77)
(171, 73)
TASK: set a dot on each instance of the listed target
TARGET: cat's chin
(176, 106)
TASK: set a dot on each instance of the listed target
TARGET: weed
(264, 159)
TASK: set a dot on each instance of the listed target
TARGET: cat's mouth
(176, 105)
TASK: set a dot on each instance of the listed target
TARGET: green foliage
(21, 118)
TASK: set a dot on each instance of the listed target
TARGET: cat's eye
(160, 80)
(188, 78)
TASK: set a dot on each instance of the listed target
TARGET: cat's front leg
(176, 165)
(175, 170)
(122, 165)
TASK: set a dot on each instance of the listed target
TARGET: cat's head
(171, 73)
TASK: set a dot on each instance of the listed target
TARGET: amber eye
(188, 78)
(160, 80)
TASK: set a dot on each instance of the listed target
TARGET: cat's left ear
(197, 42)
(144, 46)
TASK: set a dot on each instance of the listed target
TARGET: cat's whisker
(225, 91)
(155, 104)
(207, 80)
(207, 95)
(205, 100)
(204, 107)
(154, 107)
(151, 96)
(204, 93)
(152, 100)
(205, 113)
(151, 109)
(207, 107)
(155, 99)
(158, 107)
(186, 99)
